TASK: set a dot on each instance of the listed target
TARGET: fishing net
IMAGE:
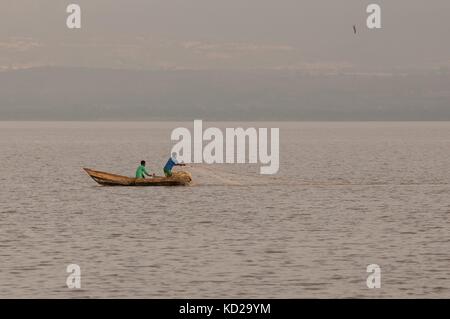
(182, 175)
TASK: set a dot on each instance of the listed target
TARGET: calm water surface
(347, 195)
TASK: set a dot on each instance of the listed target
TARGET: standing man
(170, 164)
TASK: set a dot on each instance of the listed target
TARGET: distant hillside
(103, 94)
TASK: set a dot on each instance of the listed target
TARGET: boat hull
(107, 179)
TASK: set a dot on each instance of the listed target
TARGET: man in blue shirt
(170, 164)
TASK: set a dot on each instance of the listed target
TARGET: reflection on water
(347, 195)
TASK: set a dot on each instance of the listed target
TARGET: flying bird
(354, 29)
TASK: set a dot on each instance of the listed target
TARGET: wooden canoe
(177, 179)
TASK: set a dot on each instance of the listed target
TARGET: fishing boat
(179, 178)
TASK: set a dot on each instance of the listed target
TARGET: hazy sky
(230, 34)
(225, 59)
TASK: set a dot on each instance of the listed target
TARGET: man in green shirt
(142, 171)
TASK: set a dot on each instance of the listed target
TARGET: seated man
(142, 171)
(170, 164)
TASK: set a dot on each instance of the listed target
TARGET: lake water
(347, 195)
